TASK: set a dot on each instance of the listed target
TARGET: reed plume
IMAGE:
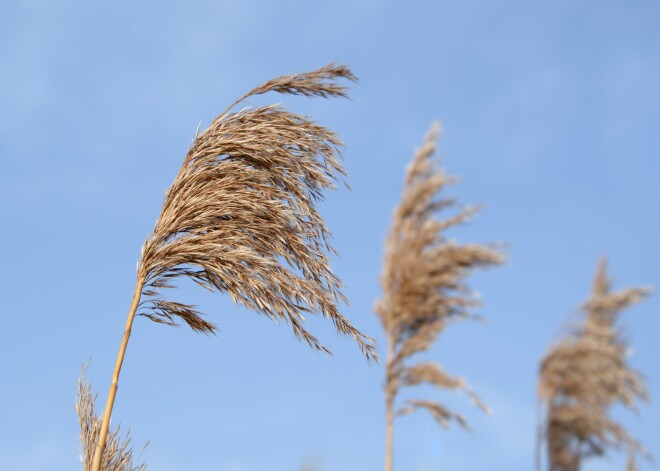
(586, 373)
(240, 218)
(423, 287)
(118, 454)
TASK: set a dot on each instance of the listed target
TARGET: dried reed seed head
(586, 373)
(423, 280)
(118, 454)
(241, 218)
(423, 272)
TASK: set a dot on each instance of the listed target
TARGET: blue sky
(550, 113)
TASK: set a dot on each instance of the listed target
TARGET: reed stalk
(100, 446)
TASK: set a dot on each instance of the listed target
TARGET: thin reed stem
(100, 446)
(539, 436)
(389, 407)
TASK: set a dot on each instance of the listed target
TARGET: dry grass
(423, 285)
(584, 375)
(241, 218)
(118, 455)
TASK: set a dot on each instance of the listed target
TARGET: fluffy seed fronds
(586, 373)
(240, 216)
(118, 455)
(423, 281)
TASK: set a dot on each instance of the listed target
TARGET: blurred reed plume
(423, 286)
(583, 375)
(118, 454)
(240, 218)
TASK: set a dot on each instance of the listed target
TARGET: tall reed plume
(423, 287)
(586, 373)
(118, 454)
(240, 218)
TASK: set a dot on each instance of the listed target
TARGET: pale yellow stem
(100, 446)
(389, 407)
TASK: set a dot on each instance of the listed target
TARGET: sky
(550, 115)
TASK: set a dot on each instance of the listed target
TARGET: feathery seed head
(584, 375)
(241, 217)
(423, 280)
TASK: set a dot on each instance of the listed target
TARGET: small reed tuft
(423, 286)
(118, 455)
(585, 374)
